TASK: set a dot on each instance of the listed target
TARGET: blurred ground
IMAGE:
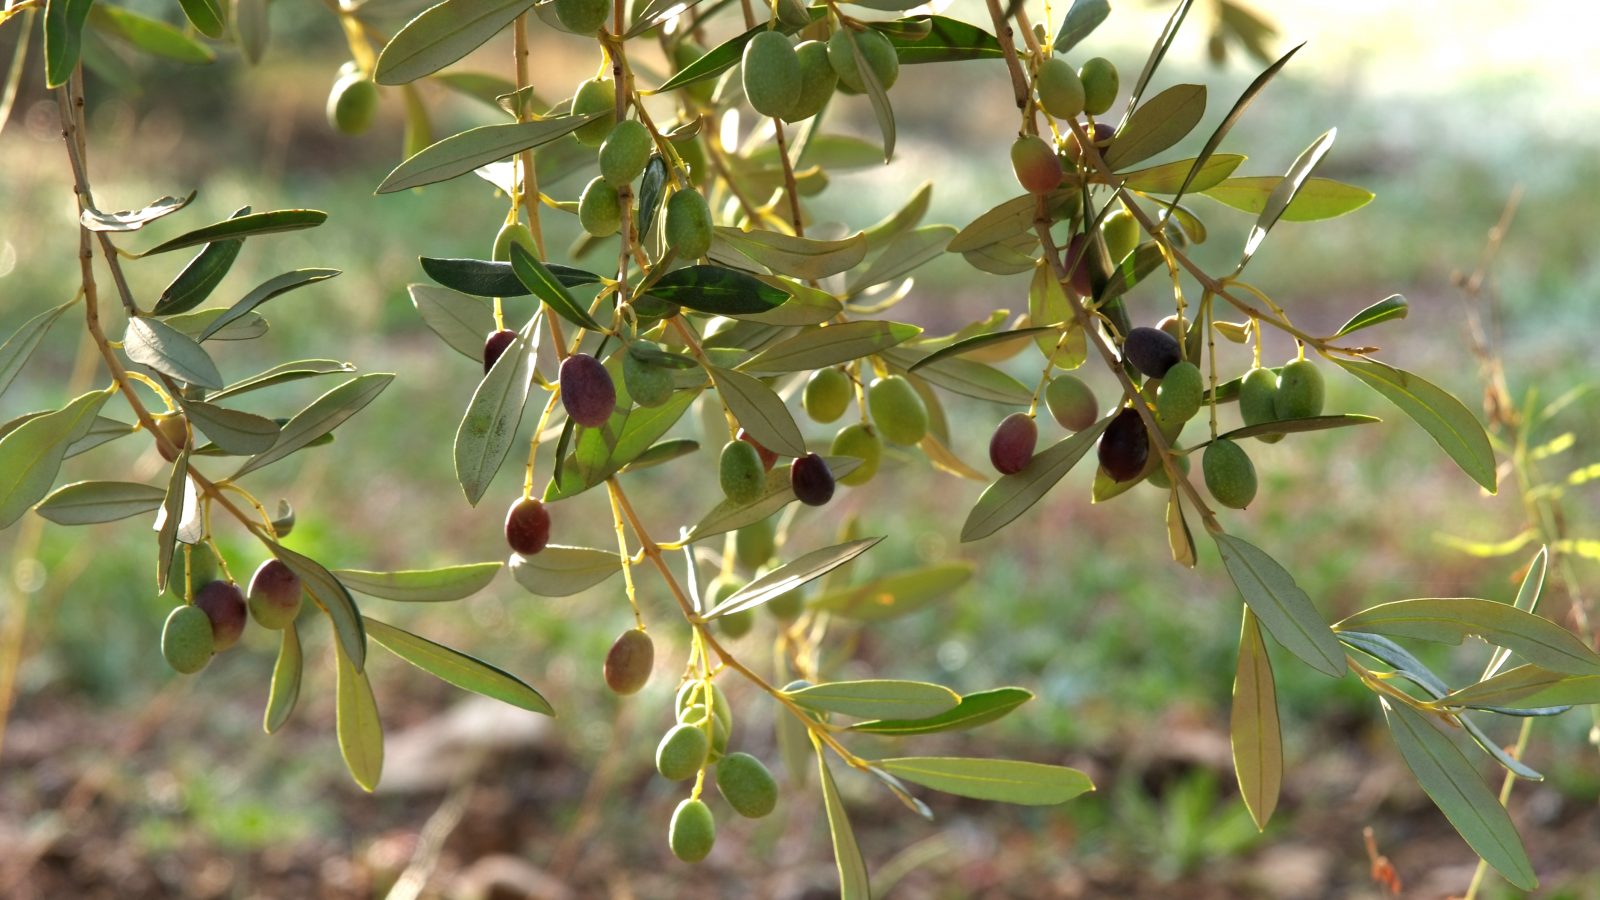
(118, 780)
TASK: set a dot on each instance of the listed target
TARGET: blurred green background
(118, 779)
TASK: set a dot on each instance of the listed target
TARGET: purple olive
(587, 391)
(1011, 448)
(1125, 446)
(527, 526)
(811, 480)
(1151, 350)
(495, 345)
(223, 603)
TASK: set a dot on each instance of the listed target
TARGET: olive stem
(530, 176)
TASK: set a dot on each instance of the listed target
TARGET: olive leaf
(442, 34)
(154, 343)
(283, 373)
(171, 518)
(1082, 18)
(975, 709)
(462, 322)
(853, 881)
(1281, 606)
(1011, 495)
(233, 431)
(482, 278)
(1174, 177)
(421, 585)
(1283, 193)
(1254, 733)
(272, 287)
(20, 345)
(717, 290)
(877, 698)
(330, 596)
(359, 729)
(1451, 425)
(133, 219)
(90, 502)
(1449, 620)
(457, 668)
(1003, 780)
(31, 454)
(278, 220)
(321, 417)
(1154, 126)
(544, 284)
(1391, 307)
(489, 426)
(286, 673)
(760, 411)
(893, 594)
(776, 493)
(558, 571)
(790, 576)
(829, 346)
(461, 153)
(933, 39)
(1318, 198)
(203, 273)
(207, 16)
(63, 37)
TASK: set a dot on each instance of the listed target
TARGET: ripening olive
(648, 384)
(186, 640)
(817, 81)
(1181, 393)
(625, 152)
(1120, 232)
(600, 209)
(275, 595)
(1099, 134)
(811, 480)
(1099, 79)
(352, 104)
(692, 832)
(582, 16)
(1125, 446)
(494, 346)
(879, 54)
(771, 73)
(597, 96)
(740, 472)
(1230, 476)
(1080, 265)
(587, 393)
(1036, 165)
(682, 751)
(898, 412)
(861, 442)
(1300, 390)
(754, 544)
(1151, 350)
(688, 225)
(827, 394)
(747, 785)
(223, 603)
(1011, 447)
(1071, 402)
(175, 428)
(1258, 400)
(769, 458)
(1060, 89)
(513, 233)
(527, 526)
(629, 662)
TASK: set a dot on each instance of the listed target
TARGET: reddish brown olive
(629, 661)
(527, 526)
(1011, 447)
(769, 458)
(495, 346)
(223, 603)
(1125, 446)
(587, 392)
(1077, 263)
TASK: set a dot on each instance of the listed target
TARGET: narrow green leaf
(421, 585)
(1254, 731)
(904, 254)
(1158, 52)
(830, 345)
(602, 452)
(278, 220)
(980, 341)
(1082, 18)
(964, 377)
(974, 709)
(201, 276)
(1318, 198)
(1449, 620)
(1011, 495)
(63, 38)
(1448, 778)
(1169, 178)
(893, 594)
(1283, 193)
(285, 681)
(797, 257)
(283, 373)
(192, 324)
(330, 596)
(1166, 119)
(878, 698)
(651, 187)
(132, 219)
(1527, 599)
(265, 291)
(489, 426)
(31, 454)
(238, 433)
(717, 290)
(442, 34)
(543, 284)
(90, 502)
(760, 411)
(1451, 425)
(1391, 307)
(1527, 687)
(945, 40)
(360, 730)
(1282, 607)
(791, 576)
(461, 153)
(457, 668)
(321, 417)
(1146, 258)
(151, 342)
(558, 571)
(20, 345)
(881, 110)
(462, 322)
(207, 16)
(1002, 780)
(482, 278)
(853, 881)
(104, 430)
(1296, 426)
(1396, 657)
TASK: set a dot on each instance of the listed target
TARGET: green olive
(897, 410)
(862, 443)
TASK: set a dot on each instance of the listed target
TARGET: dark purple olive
(1011, 448)
(1125, 446)
(1151, 350)
(1077, 263)
(496, 344)
(586, 390)
(223, 603)
(811, 480)
(527, 526)
(769, 458)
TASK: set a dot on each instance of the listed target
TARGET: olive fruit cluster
(794, 83)
(215, 617)
(1065, 94)
(698, 740)
(625, 150)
